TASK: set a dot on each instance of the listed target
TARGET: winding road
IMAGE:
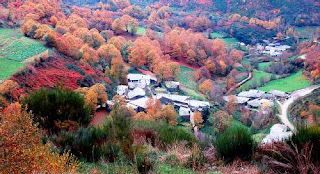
(296, 95)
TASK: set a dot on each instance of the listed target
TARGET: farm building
(122, 89)
(139, 104)
(259, 102)
(172, 86)
(136, 93)
(185, 113)
(251, 93)
(140, 80)
(279, 94)
(238, 100)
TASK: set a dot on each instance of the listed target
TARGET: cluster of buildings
(256, 98)
(272, 49)
(142, 87)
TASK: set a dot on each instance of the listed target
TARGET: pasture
(14, 49)
(291, 83)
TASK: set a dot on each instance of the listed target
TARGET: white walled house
(139, 80)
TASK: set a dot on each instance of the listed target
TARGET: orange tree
(21, 149)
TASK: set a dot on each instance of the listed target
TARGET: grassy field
(292, 58)
(214, 34)
(230, 41)
(186, 77)
(8, 67)
(14, 49)
(293, 82)
(257, 75)
(305, 32)
(141, 31)
(263, 65)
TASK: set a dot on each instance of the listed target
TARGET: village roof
(174, 98)
(238, 100)
(198, 104)
(122, 89)
(278, 93)
(259, 102)
(184, 111)
(140, 77)
(160, 90)
(171, 84)
(135, 93)
(141, 102)
(251, 93)
(137, 77)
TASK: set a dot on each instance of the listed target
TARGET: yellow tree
(7, 87)
(91, 99)
(118, 26)
(118, 71)
(22, 150)
(205, 86)
(197, 119)
(100, 90)
(169, 115)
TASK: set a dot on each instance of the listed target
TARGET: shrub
(167, 135)
(307, 135)
(146, 159)
(283, 158)
(235, 142)
(197, 159)
(58, 104)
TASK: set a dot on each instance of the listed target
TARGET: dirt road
(296, 95)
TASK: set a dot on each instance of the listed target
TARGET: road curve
(240, 83)
(296, 95)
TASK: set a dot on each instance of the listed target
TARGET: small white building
(252, 93)
(136, 93)
(138, 104)
(278, 132)
(259, 102)
(139, 80)
(238, 100)
(122, 89)
(278, 94)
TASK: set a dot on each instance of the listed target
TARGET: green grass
(14, 49)
(257, 75)
(305, 31)
(215, 34)
(293, 82)
(110, 168)
(230, 41)
(186, 77)
(8, 67)
(141, 31)
(263, 65)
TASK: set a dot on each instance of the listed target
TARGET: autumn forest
(159, 86)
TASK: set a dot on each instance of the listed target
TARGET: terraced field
(14, 49)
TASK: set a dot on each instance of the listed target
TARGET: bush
(197, 159)
(235, 142)
(146, 159)
(307, 135)
(58, 104)
(167, 135)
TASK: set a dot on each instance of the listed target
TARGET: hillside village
(142, 87)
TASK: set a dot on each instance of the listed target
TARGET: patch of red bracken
(181, 62)
(99, 117)
(54, 71)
